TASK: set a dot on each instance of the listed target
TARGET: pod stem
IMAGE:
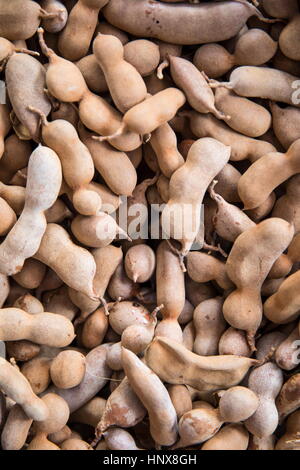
(217, 248)
(150, 181)
(45, 49)
(267, 357)
(104, 305)
(42, 115)
(164, 64)
(294, 441)
(215, 84)
(156, 310)
(178, 253)
(27, 51)
(251, 341)
(219, 114)
(118, 133)
(257, 12)
(45, 15)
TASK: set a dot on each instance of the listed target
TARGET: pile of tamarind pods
(124, 335)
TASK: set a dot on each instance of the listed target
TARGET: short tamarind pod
(283, 166)
(282, 307)
(202, 267)
(164, 143)
(137, 337)
(16, 429)
(148, 115)
(181, 215)
(109, 53)
(20, 20)
(44, 166)
(112, 164)
(15, 157)
(229, 221)
(181, 399)
(25, 81)
(79, 267)
(140, 263)
(237, 404)
(77, 164)
(74, 40)
(143, 54)
(16, 324)
(239, 109)
(123, 408)
(96, 376)
(155, 398)
(266, 381)
(94, 329)
(209, 325)
(246, 299)
(15, 386)
(107, 260)
(192, 82)
(171, 295)
(75, 444)
(96, 231)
